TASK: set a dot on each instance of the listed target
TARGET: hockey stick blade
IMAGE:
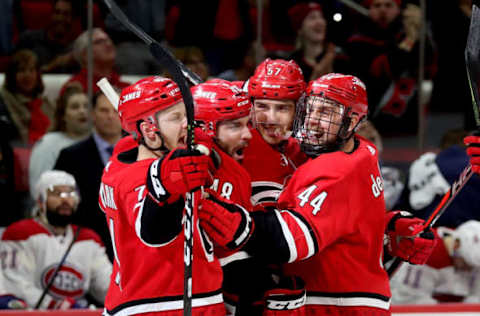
(192, 77)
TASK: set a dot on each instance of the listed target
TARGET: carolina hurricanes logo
(68, 282)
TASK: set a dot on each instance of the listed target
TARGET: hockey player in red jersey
(273, 155)
(223, 113)
(33, 248)
(330, 221)
(142, 194)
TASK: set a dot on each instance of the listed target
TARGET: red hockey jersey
(231, 181)
(269, 168)
(340, 195)
(148, 278)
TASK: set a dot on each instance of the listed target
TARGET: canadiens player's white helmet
(218, 100)
(143, 99)
(323, 120)
(48, 180)
(468, 235)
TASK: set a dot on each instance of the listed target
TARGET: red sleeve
(23, 229)
(325, 205)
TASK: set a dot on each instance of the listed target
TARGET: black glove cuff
(393, 221)
(154, 185)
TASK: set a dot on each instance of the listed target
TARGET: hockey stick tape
(109, 92)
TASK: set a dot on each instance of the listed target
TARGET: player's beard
(59, 220)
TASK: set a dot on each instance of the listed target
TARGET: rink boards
(410, 310)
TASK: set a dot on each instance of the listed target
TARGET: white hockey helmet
(468, 235)
(48, 180)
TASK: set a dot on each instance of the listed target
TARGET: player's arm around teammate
(333, 205)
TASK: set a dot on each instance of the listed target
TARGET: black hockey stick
(179, 73)
(192, 77)
(177, 76)
(57, 269)
(472, 62)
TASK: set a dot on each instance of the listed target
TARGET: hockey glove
(227, 223)
(287, 298)
(404, 241)
(473, 150)
(12, 302)
(179, 172)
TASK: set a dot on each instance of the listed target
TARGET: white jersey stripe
(166, 306)
(348, 301)
(288, 237)
(307, 233)
(241, 255)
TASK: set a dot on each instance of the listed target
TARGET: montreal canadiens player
(330, 222)
(142, 194)
(33, 248)
(451, 274)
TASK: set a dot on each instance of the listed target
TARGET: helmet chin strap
(142, 141)
(343, 135)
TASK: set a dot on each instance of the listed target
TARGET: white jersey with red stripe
(31, 252)
(331, 216)
(437, 280)
(148, 276)
(269, 168)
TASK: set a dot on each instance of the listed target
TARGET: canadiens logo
(69, 281)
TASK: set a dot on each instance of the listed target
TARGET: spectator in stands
(95, 151)
(315, 54)
(53, 45)
(194, 59)
(104, 54)
(29, 113)
(430, 177)
(149, 16)
(221, 29)
(384, 54)
(244, 68)
(71, 125)
(37, 245)
(451, 274)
